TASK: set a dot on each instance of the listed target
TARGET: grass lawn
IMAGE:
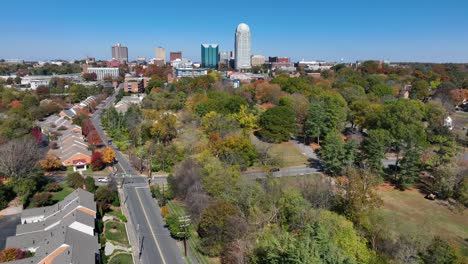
(59, 196)
(412, 206)
(460, 120)
(287, 151)
(194, 241)
(116, 232)
(115, 212)
(121, 258)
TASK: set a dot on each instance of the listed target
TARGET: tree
(325, 115)
(175, 228)
(420, 90)
(97, 162)
(236, 149)
(90, 76)
(218, 123)
(268, 93)
(51, 162)
(410, 167)
(214, 226)
(335, 154)
(41, 199)
(79, 92)
(108, 155)
(89, 183)
(374, 147)
(12, 254)
(24, 188)
(382, 90)
(441, 252)
(94, 138)
(246, 119)
(458, 95)
(19, 157)
(75, 180)
(358, 196)
(164, 129)
(103, 194)
(277, 124)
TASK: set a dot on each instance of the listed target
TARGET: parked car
(274, 169)
(103, 179)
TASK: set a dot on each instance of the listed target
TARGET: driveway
(8, 225)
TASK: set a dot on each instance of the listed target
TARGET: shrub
(75, 180)
(164, 211)
(41, 199)
(6, 195)
(11, 254)
(123, 218)
(52, 187)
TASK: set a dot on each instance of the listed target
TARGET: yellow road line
(151, 228)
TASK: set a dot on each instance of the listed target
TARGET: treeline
(200, 130)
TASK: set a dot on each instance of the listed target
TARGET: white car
(103, 179)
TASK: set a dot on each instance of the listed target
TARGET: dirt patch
(113, 231)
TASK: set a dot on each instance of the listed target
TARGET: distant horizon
(400, 31)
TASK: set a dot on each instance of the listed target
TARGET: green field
(116, 232)
(121, 258)
(289, 154)
(434, 216)
(59, 196)
(286, 151)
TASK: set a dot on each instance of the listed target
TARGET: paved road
(157, 245)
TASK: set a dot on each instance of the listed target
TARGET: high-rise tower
(242, 47)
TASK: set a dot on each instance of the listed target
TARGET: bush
(6, 195)
(41, 199)
(75, 180)
(11, 254)
(123, 218)
(52, 187)
(164, 211)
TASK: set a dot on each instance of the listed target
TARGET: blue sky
(398, 30)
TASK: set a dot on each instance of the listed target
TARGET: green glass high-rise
(210, 55)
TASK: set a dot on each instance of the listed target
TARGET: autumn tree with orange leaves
(51, 162)
(108, 155)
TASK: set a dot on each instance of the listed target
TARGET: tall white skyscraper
(242, 47)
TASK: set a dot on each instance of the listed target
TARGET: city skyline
(397, 31)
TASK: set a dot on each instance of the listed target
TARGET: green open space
(435, 216)
(116, 232)
(60, 195)
(121, 258)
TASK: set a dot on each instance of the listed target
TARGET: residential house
(60, 233)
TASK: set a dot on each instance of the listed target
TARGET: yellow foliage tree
(51, 162)
(164, 211)
(108, 155)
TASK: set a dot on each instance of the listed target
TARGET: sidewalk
(133, 240)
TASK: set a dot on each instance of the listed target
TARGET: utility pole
(184, 223)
